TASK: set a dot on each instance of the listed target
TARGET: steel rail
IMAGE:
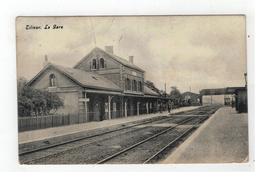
(100, 134)
(87, 137)
(141, 142)
(169, 144)
(150, 121)
(92, 136)
(28, 161)
(174, 141)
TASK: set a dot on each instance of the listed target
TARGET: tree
(21, 82)
(53, 102)
(175, 94)
(36, 102)
(25, 106)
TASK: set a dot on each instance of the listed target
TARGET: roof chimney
(45, 60)
(131, 59)
(109, 49)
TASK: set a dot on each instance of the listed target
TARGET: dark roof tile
(83, 78)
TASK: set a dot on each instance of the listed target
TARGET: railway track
(41, 154)
(130, 154)
(25, 152)
(63, 147)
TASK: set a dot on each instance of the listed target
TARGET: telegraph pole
(165, 88)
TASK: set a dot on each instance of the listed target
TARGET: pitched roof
(148, 91)
(83, 78)
(151, 86)
(115, 57)
(219, 91)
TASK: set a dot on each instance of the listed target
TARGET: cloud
(183, 51)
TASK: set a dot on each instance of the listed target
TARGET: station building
(101, 86)
(190, 99)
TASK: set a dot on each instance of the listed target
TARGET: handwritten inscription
(44, 27)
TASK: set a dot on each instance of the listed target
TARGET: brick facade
(105, 100)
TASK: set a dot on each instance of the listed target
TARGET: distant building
(190, 99)
(100, 86)
(213, 99)
(217, 95)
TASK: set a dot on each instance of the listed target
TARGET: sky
(188, 52)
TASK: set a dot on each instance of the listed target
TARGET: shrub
(36, 102)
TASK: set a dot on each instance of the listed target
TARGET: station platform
(223, 138)
(41, 134)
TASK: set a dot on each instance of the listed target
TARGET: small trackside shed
(241, 100)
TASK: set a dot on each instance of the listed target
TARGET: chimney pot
(109, 49)
(131, 59)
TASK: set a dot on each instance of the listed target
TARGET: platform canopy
(220, 91)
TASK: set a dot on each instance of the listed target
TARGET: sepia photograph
(155, 89)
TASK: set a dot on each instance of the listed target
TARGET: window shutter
(90, 65)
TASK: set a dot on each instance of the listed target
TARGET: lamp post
(245, 75)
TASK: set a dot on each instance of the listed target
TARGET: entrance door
(102, 110)
(97, 111)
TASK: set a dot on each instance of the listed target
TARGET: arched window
(94, 64)
(52, 79)
(102, 63)
(134, 85)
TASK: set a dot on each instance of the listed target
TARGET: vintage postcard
(132, 89)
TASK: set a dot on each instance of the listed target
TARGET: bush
(37, 102)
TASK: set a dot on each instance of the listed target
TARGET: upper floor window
(140, 86)
(94, 64)
(102, 63)
(134, 85)
(52, 79)
(128, 84)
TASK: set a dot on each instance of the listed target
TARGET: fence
(40, 122)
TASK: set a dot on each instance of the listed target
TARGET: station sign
(84, 99)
